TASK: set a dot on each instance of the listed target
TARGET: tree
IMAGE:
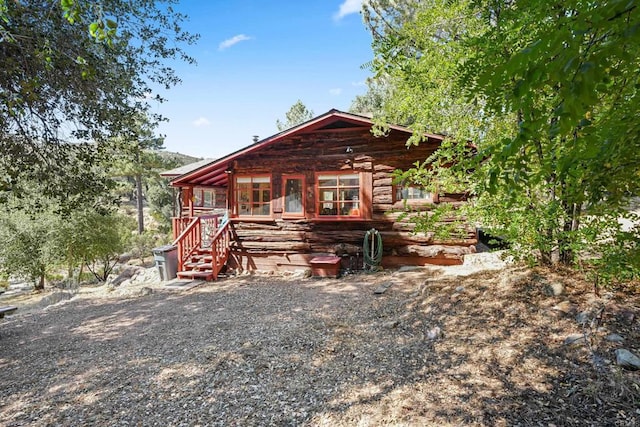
(79, 71)
(92, 239)
(106, 236)
(297, 114)
(373, 101)
(547, 93)
(40, 235)
(26, 250)
(160, 195)
(136, 157)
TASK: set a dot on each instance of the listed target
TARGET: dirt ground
(511, 347)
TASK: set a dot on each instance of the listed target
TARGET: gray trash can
(166, 258)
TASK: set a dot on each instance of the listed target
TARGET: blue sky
(255, 60)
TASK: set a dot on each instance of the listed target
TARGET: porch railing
(202, 232)
(179, 224)
(209, 226)
(220, 249)
(188, 241)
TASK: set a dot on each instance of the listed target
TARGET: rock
(146, 291)
(564, 307)
(627, 360)
(487, 260)
(460, 289)
(627, 316)
(434, 333)
(575, 339)
(302, 273)
(55, 298)
(127, 273)
(406, 268)
(583, 317)
(391, 324)
(382, 288)
(124, 258)
(147, 275)
(553, 289)
(614, 338)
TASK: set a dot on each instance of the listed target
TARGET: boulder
(55, 298)
(145, 291)
(126, 274)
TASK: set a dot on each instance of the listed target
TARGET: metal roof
(186, 168)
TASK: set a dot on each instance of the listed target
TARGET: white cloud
(335, 92)
(347, 8)
(233, 40)
(358, 84)
(201, 122)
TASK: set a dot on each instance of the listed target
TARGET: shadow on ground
(482, 350)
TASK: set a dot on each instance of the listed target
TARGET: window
(339, 195)
(412, 193)
(204, 197)
(293, 195)
(207, 200)
(253, 195)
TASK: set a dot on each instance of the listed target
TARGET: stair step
(196, 265)
(205, 275)
(201, 258)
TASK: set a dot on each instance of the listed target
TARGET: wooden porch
(202, 246)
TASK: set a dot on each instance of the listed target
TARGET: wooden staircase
(199, 265)
(202, 246)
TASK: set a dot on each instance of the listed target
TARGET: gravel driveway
(253, 351)
(488, 349)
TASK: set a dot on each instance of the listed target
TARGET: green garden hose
(372, 249)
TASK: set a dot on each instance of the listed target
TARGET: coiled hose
(372, 250)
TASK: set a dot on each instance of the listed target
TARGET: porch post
(231, 203)
(187, 195)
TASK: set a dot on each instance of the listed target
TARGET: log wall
(283, 244)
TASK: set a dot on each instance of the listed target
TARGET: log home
(311, 191)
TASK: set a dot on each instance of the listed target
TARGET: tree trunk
(80, 271)
(546, 256)
(40, 285)
(573, 210)
(139, 204)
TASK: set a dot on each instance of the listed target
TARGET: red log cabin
(310, 192)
